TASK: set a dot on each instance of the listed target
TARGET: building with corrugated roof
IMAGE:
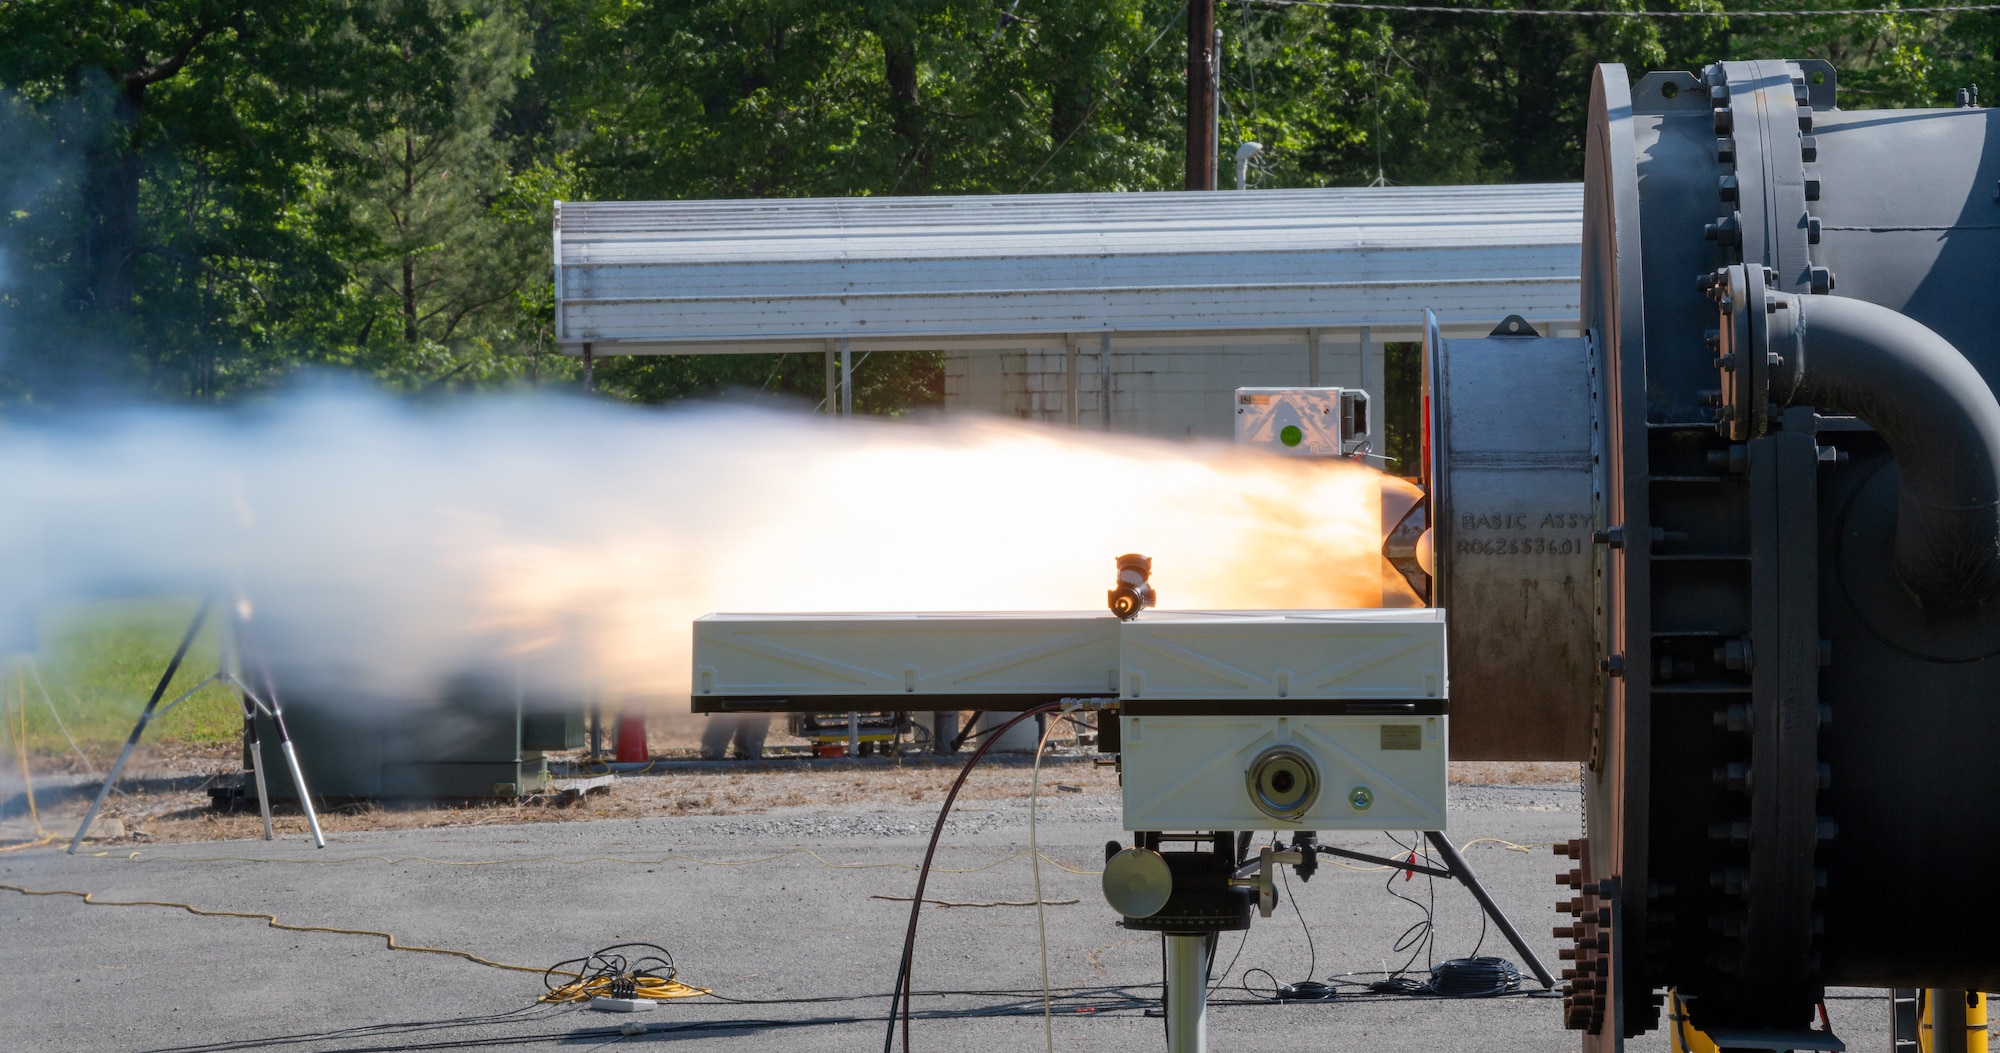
(1138, 312)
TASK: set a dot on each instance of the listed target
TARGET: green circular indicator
(1360, 798)
(1291, 435)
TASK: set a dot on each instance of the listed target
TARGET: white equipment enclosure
(1357, 700)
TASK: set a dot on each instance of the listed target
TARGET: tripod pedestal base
(1187, 993)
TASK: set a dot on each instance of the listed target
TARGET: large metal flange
(1763, 948)
(1763, 115)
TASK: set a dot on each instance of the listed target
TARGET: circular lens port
(1283, 783)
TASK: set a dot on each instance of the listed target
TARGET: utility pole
(1201, 95)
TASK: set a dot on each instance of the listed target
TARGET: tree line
(200, 197)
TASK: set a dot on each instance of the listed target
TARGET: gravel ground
(163, 798)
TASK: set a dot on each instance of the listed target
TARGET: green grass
(100, 662)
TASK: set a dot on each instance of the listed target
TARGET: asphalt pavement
(793, 918)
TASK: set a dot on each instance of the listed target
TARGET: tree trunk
(410, 334)
(906, 119)
(1069, 100)
(410, 300)
(111, 191)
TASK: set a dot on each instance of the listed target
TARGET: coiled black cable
(1475, 977)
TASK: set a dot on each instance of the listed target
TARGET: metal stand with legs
(230, 673)
(1461, 871)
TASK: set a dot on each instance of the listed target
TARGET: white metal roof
(1023, 270)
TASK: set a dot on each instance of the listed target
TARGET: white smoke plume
(389, 550)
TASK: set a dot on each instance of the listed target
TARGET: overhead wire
(1098, 103)
(1525, 12)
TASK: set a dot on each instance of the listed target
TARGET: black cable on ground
(541, 1010)
(610, 973)
(1475, 977)
(1224, 974)
(1312, 951)
(1303, 991)
(901, 994)
(1420, 937)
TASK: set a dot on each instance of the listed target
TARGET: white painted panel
(1251, 655)
(1191, 773)
(829, 655)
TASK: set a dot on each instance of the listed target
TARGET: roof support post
(846, 377)
(1069, 379)
(1312, 357)
(1372, 382)
(1104, 390)
(589, 369)
(831, 406)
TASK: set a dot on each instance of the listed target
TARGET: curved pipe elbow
(1941, 421)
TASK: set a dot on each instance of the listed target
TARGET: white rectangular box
(1358, 698)
(1185, 773)
(1248, 655)
(1302, 422)
(879, 659)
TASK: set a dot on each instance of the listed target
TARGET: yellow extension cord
(272, 921)
(649, 987)
(676, 990)
(389, 939)
(579, 989)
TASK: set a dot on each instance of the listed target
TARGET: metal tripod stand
(230, 672)
(1191, 923)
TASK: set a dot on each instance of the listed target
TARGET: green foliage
(99, 663)
(201, 197)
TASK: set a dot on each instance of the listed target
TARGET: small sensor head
(1135, 591)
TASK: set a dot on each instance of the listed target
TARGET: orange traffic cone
(632, 739)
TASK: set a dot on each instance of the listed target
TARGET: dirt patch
(183, 812)
(1514, 773)
(162, 810)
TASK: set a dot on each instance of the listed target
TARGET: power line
(1522, 12)
(1100, 100)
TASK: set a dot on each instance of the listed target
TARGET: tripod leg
(271, 705)
(299, 780)
(1466, 877)
(256, 749)
(230, 669)
(145, 717)
(277, 711)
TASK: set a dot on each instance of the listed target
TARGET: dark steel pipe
(1938, 417)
